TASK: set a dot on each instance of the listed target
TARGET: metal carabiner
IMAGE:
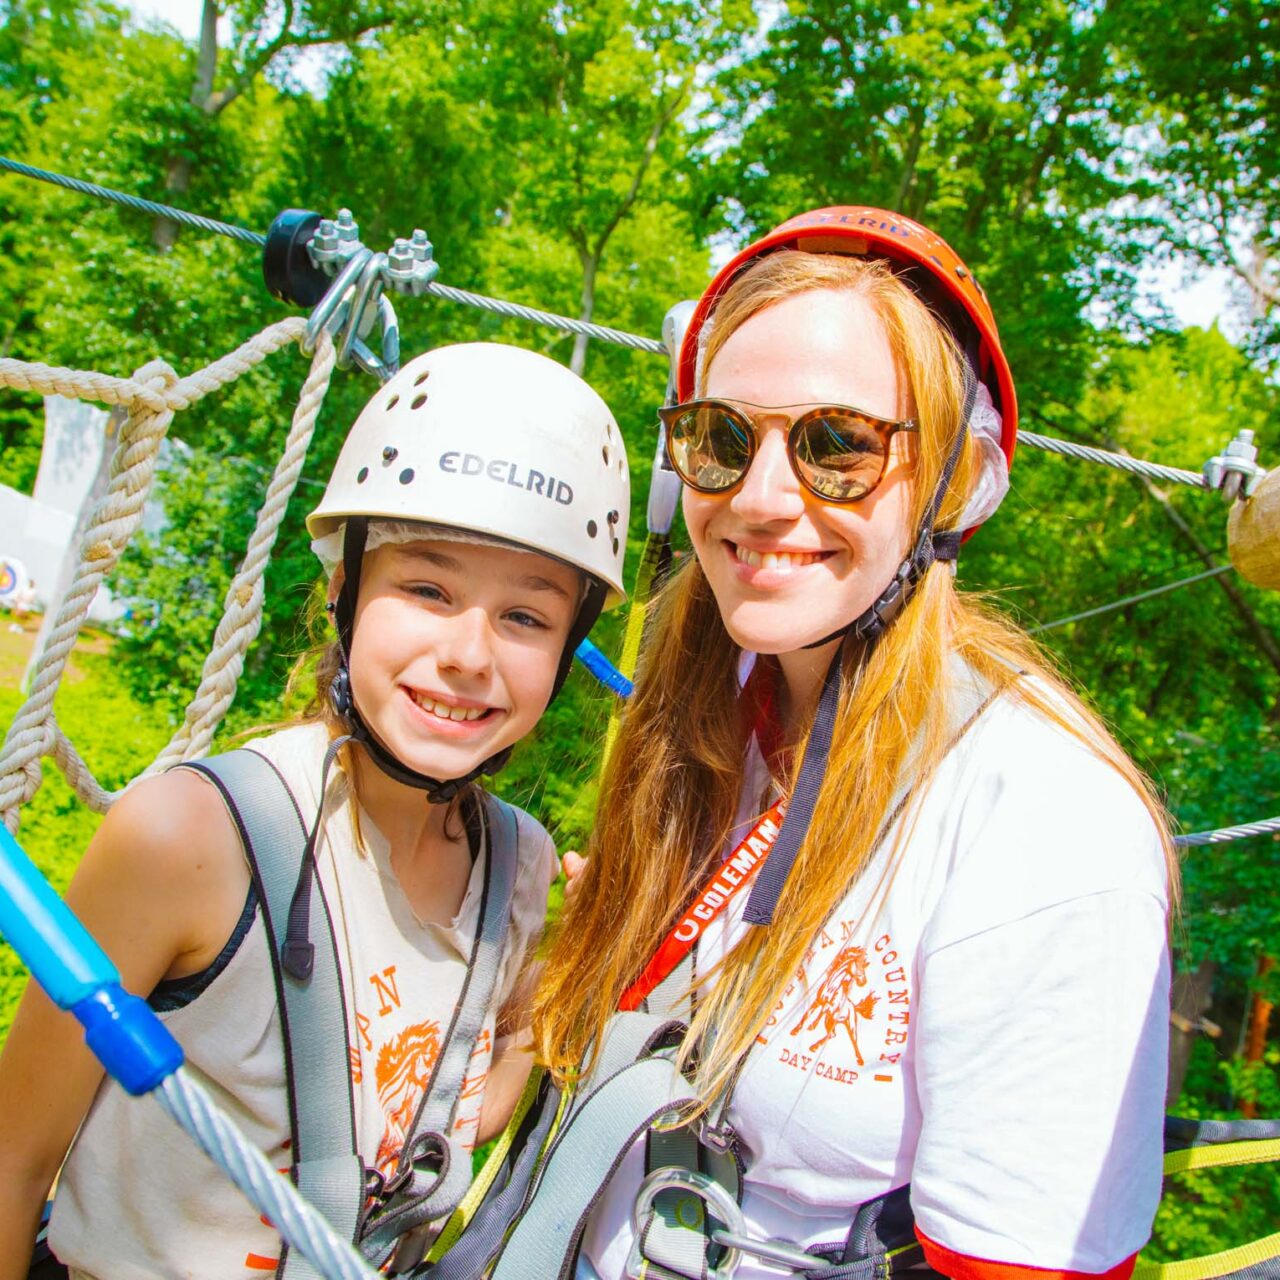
(328, 313)
(386, 366)
(364, 306)
(700, 1187)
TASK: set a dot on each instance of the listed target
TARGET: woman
(949, 973)
(467, 556)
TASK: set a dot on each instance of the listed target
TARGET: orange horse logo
(834, 1005)
(402, 1071)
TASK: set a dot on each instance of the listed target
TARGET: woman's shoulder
(1038, 738)
(1036, 815)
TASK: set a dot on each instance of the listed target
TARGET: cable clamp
(1235, 471)
(350, 308)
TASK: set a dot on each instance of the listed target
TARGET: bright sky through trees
(1196, 295)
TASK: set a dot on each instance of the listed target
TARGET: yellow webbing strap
(1225, 1154)
(641, 594)
(492, 1166)
(1211, 1265)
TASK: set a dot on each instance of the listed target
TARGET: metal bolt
(348, 229)
(422, 248)
(325, 239)
(401, 258)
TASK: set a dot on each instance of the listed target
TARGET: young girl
(472, 531)
(943, 993)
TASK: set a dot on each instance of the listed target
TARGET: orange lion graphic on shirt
(834, 1005)
(402, 1070)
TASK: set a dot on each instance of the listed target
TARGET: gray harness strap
(434, 1169)
(536, 1146)
(580, 1162)
(326, 1167)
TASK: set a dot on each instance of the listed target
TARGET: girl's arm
(160, 887)
(513, 1059)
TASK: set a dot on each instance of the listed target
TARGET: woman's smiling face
(455, 648)
(787, 568)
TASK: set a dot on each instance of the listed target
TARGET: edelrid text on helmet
(495, 440)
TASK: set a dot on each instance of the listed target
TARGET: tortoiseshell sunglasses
(838, 453)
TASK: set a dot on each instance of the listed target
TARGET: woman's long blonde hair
(670, 790)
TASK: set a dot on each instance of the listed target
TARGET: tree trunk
(1192, 996)
(1255, 1044)
(164, 232)
(590, 262)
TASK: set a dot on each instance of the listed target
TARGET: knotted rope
(152, 396)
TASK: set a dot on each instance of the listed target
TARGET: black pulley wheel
(287, 268)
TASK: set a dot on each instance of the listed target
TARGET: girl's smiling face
(786, 567)
(455, 648)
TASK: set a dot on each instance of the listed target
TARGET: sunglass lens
(709, 446)
(840, 456)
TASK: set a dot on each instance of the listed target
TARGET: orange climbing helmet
(923, 257)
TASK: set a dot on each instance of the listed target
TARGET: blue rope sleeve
(122, 1031)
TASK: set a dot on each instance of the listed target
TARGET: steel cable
(1269, 826)
(275, 1197)
(549, 319)
(1127, 600)
(1050, 444)
(1120, 461)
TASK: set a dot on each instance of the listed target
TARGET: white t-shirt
(993, 1030)
(137, 1199)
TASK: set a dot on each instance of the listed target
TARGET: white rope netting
(151, 397)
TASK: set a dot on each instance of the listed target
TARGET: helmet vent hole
(390, 453)
(419, 401)
(391, 404)
(362, 475)
(615, 546)
(604, 453)
(421, 378)
(406, 475)
(592, 528)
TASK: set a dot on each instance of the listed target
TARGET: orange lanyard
(732, 876)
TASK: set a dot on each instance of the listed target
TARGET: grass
(116, 736)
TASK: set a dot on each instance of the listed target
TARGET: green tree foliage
(1213, 106)
(583, 158)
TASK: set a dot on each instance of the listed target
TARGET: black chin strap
(868, 627)
(931, 546)
(438, 790)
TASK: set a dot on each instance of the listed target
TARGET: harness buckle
(721, 1138)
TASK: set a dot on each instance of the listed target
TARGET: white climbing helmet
(495, 440)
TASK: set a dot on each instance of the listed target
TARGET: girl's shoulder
(168, 840)
(535, 848)
(171, 824)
